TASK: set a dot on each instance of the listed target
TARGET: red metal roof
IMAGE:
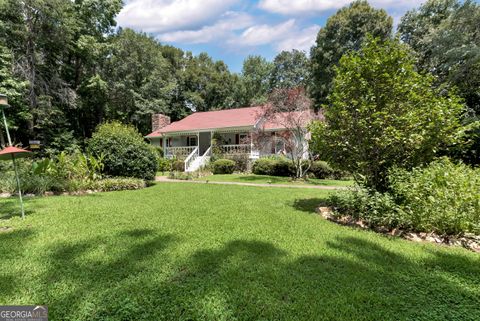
(8, 151)
(238, 117)
(228, 118)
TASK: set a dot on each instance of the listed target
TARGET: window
(192, 141)
(243, 139)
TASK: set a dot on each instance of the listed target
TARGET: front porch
(195, 149)
(182, 152)
(240, 143)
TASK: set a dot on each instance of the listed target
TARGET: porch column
(275, 141)
(164, 146)
(251, 144)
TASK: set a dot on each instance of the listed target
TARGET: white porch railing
(208, 152)
(180, 152)
(236, 149)
(191, 158)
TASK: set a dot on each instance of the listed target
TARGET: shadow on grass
(13, 244)
(251, 280)
(357, 280)
(262, 179)
(89, 279)
(308, 204)
(10, 207)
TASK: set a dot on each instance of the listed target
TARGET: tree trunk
(31, 64)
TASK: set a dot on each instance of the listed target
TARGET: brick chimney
(159, 121)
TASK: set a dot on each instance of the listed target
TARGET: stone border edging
(468, 241)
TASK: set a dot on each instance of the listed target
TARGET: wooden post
(164, 146)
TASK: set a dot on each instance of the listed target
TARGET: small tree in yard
(382, 113)
(289, 109)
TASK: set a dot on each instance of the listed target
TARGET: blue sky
(232, 29)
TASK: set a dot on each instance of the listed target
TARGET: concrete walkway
(165, 179)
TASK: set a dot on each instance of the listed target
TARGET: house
(190, 139)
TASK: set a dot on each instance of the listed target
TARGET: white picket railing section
(180, 152)
(198, 161)
(236, 149)
(191, 159)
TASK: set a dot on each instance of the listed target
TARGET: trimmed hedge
(124, 151)
(273, 167)
(116, 184)
(264, 166)
(223, 166)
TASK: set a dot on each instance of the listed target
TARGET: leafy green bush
(263, 166)
(323, 170)
(375, 208)
(177, 165)
(116, 184)
(442, 197)
(241, 162)
(125, 152)
(273, 166)
(63, 173)
(181, 175)
(283, 167)
(223, 166)
(164, 164)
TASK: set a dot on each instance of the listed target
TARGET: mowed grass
(265, 179)
(182, 251)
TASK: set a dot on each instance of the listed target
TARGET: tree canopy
(344, 31)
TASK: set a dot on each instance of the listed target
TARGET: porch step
(197, 163)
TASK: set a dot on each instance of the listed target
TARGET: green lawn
(265, 179)
(213, 252)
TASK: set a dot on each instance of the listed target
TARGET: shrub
(283, 167)
(442, 198)
(39, 184)
(375, 208)
(323, 170)
(177, 165)
(223, 166)
(241, 162)
(71, 166)
(164, 164)
(116, 184)
(182, 175)
(382, 113)
(274, 166)
(125, 152)
(263, 166)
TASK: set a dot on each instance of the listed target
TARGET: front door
(205, 140)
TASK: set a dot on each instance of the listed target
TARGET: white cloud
(169, 15)
(297, 7)
(284, 36)
(223, 28)
(302, 39)
(265, 34)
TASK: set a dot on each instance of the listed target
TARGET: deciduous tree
(383, 113)
(344, 31)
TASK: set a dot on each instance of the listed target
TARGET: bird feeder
(12, 152)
